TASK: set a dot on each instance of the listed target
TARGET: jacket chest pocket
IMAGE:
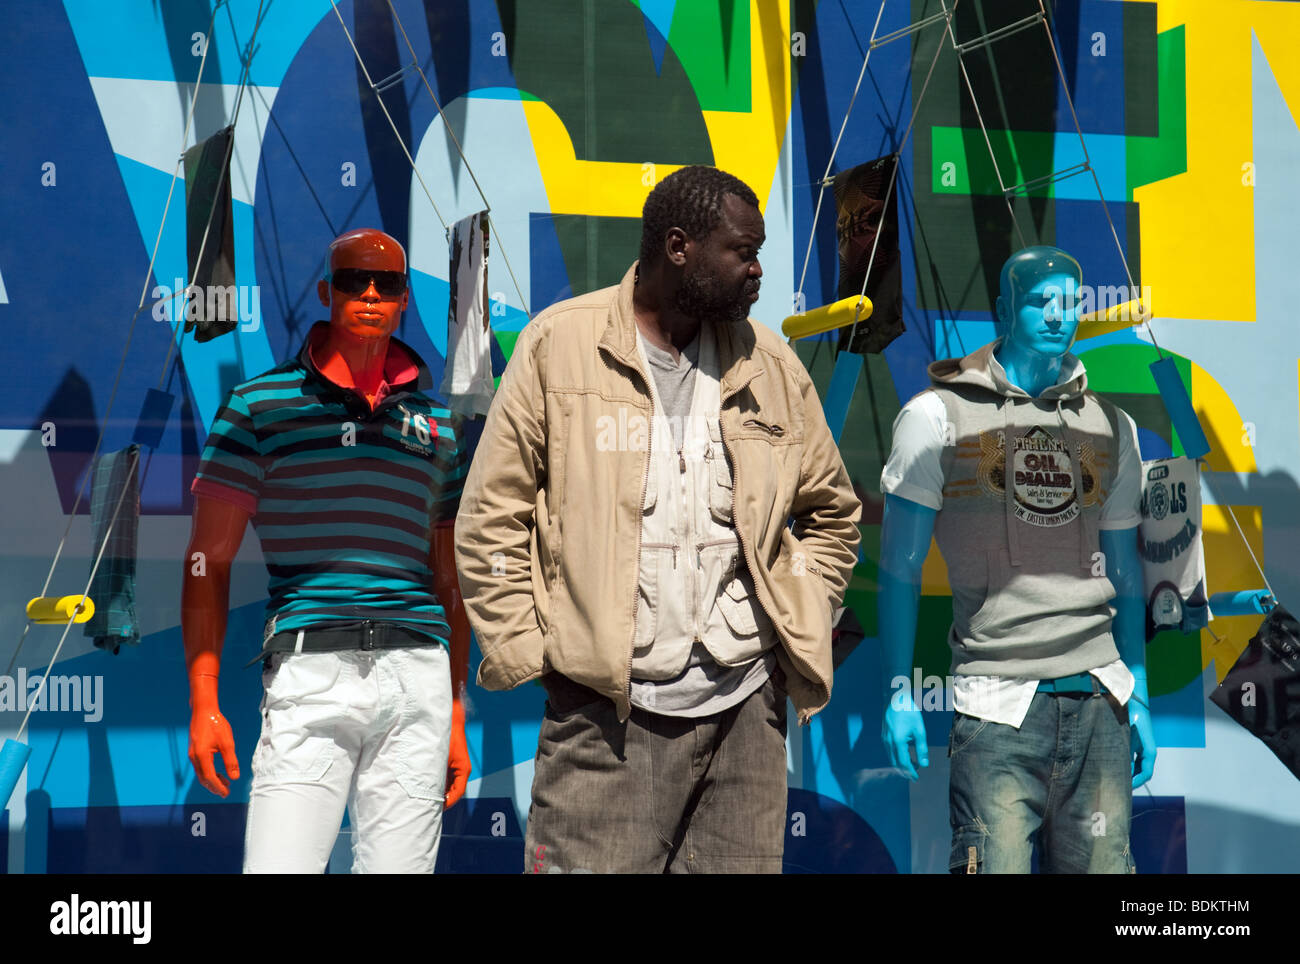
(722, 487)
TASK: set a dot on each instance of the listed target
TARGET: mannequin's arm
(218, 529)
(905, 540)
(1124, 569)
(1250, 602)
(442, 560)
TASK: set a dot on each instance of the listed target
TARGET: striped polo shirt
(342, 498)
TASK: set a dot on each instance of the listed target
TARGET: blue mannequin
(1037, 327)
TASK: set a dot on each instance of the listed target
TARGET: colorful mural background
(568, 111)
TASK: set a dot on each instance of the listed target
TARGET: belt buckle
(367, 635)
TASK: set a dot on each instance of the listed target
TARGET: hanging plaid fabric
(115, 517)
(1262, 690)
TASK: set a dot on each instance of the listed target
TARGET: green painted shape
(1150, 159)
(1125, 369)
(597, 250)
(506, 340)
(589, 60)
(933, 620)
(1141, 71)
(1120, 368)
(1021, 156)
(1173, 661)
(712, 41)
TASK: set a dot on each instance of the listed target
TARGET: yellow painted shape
(1228, 569)
(1181, 214)
(1277, 27)
(1223, 424)
(746, 144)
(934, 573)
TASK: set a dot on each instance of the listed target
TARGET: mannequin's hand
(1142, 741)
(902, 728)
(210, 733)
(458, 765)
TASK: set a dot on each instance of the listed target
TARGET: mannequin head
(1038, 305)
(367, 288)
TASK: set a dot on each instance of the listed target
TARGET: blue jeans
(1062, 780)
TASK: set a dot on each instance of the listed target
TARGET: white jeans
(366, 729)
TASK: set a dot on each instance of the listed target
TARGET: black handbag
(1262, 690)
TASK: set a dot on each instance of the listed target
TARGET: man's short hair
(690, 199)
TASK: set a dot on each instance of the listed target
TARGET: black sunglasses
(353, 281)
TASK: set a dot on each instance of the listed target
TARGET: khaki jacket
(548, 533)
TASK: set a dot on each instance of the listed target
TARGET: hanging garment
(1262, 690)
(1173, 558)
(212, 304)
(467, 378)
(863, 213)
(116, 480)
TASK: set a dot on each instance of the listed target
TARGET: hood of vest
(981, 369)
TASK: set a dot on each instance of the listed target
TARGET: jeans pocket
(967, 855)
(964, 731)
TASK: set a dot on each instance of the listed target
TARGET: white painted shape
(776, 296)
(495, 137)
(144, 120)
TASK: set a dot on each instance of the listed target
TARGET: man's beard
(702, 297)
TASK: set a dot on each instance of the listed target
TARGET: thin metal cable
(893, 174)
(31, 705)
(384, 107)
(979, 116)
(245, 77)
(451, 133)
(459, 150)
(121, 365)
(830, 161)
(1060, 71)
(1258, 568)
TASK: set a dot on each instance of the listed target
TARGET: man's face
(720, 280)
(362, 296)
(1045, 318)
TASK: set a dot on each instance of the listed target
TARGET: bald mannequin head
(366, 291)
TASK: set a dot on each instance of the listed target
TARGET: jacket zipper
(744, 548)
(657, 545)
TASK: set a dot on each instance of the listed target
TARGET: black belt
(365, 635)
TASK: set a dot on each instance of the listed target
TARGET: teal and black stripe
(345, 496)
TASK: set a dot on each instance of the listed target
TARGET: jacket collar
(735, 343)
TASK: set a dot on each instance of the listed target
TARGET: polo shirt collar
(404, 369)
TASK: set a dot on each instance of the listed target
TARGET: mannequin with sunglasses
(351, 474)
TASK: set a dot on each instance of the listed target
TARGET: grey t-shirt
(704, 687)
